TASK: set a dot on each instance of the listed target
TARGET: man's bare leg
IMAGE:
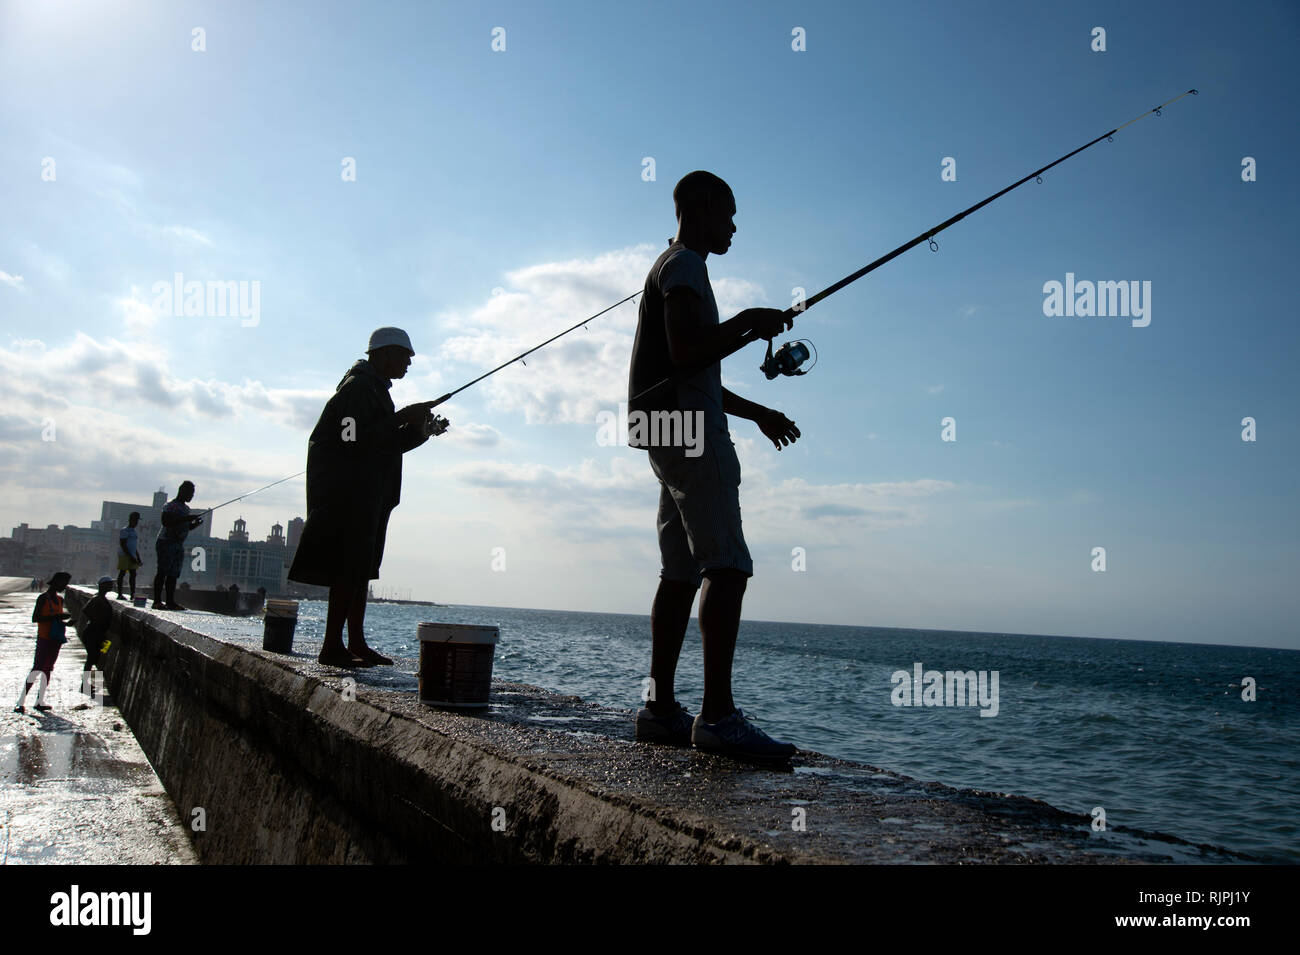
(332, 651)
(356, 630)
(669, 616)
(720, 601)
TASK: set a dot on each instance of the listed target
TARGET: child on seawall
(95, 621)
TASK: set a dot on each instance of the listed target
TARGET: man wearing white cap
(354, 480)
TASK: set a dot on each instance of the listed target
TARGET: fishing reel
(435, 425)
(788, 358)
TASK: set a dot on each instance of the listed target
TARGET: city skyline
(238, 557)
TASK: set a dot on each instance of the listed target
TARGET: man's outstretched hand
(779, 429)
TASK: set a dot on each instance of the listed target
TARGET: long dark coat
(354, 479)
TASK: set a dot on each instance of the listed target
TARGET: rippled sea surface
(1157, 734)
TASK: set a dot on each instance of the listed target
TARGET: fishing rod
(522, 355)
(249, 494)
(438, 424)
(791, 355)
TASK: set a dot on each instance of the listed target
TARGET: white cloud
(91, 373)
(473, 435)
(13, 281)
(585, 372)
(187, 234)
(138, 315)
(619, 496)
(88, 420)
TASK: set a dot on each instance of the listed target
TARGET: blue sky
(520, 171)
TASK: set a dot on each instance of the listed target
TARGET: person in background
(128, 557)
(354, 480)
(177, 522)
(96, 618)
(51, 623)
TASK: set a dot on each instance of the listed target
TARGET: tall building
(293, 588)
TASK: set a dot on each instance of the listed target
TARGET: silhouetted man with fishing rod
(354, 480)
(169, 548)
(679, 337)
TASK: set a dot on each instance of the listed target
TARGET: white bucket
(456, 664)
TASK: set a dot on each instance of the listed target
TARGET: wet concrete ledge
(292, 762)
(75, 787)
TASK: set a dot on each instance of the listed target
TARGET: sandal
(341, 658)
(372, 657)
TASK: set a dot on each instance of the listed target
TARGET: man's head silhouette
(705, 206)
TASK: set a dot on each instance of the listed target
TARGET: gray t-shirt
(677, 267)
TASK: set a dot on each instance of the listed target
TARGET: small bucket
(140, 601)
(281, 619)
(456, 664)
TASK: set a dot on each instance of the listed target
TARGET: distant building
(45, 551)
(292, 588)
(88, 552)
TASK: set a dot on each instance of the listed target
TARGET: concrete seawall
(285, 761)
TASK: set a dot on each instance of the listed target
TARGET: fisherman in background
(177, 523)
(700, 537)
(128, 558)
(96, 618)
(51, 626)
(354, 480)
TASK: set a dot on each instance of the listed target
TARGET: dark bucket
(281, 619)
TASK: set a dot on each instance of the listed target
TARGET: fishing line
(250, 493)
(440, 424)
(521, 356)
(927, 236)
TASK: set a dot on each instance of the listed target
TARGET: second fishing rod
(789, 359)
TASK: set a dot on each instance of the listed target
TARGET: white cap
(389, 336)
(105, 580)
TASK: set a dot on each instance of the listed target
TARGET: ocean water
(1157, 734)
